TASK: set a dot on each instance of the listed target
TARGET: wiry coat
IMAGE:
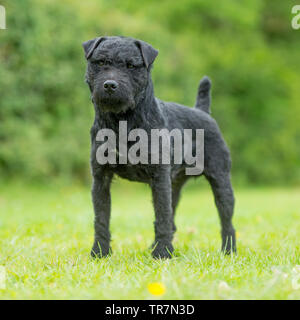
(125, 64)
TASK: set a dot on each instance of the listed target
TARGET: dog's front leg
(162, 200)
(101, 203)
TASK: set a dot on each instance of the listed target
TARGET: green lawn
(46, 235)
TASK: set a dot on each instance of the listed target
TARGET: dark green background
(248, 48)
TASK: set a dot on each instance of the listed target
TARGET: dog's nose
(110, 85)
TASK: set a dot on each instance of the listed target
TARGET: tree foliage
(248, 48)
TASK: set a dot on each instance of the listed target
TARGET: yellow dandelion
(157, 288)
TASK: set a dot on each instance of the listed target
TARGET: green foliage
(248, 49)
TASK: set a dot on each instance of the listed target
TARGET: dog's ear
(90, 46)
(148, 52)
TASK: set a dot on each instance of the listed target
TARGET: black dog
(118, 75)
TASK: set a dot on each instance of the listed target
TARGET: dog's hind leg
(175, 199)
(224, 199)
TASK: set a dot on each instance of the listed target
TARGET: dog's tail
(203, 96)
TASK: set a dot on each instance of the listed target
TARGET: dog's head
(118, 71)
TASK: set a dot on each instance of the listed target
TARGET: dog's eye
(101, 63)
(130, 65)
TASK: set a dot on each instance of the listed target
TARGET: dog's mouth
(115, 104)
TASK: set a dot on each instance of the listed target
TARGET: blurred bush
(248, 49)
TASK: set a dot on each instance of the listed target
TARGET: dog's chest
(138, 172)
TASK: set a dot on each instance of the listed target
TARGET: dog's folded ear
(90, 46)
(148, 52)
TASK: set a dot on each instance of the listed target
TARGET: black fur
(128, 62)
(203, 97)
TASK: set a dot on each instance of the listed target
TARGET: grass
(46, 235)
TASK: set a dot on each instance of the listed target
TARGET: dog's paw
(229, 244)
(100, 250)
(228, 251)
(162, 250)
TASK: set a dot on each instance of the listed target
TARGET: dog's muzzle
(111, 98)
